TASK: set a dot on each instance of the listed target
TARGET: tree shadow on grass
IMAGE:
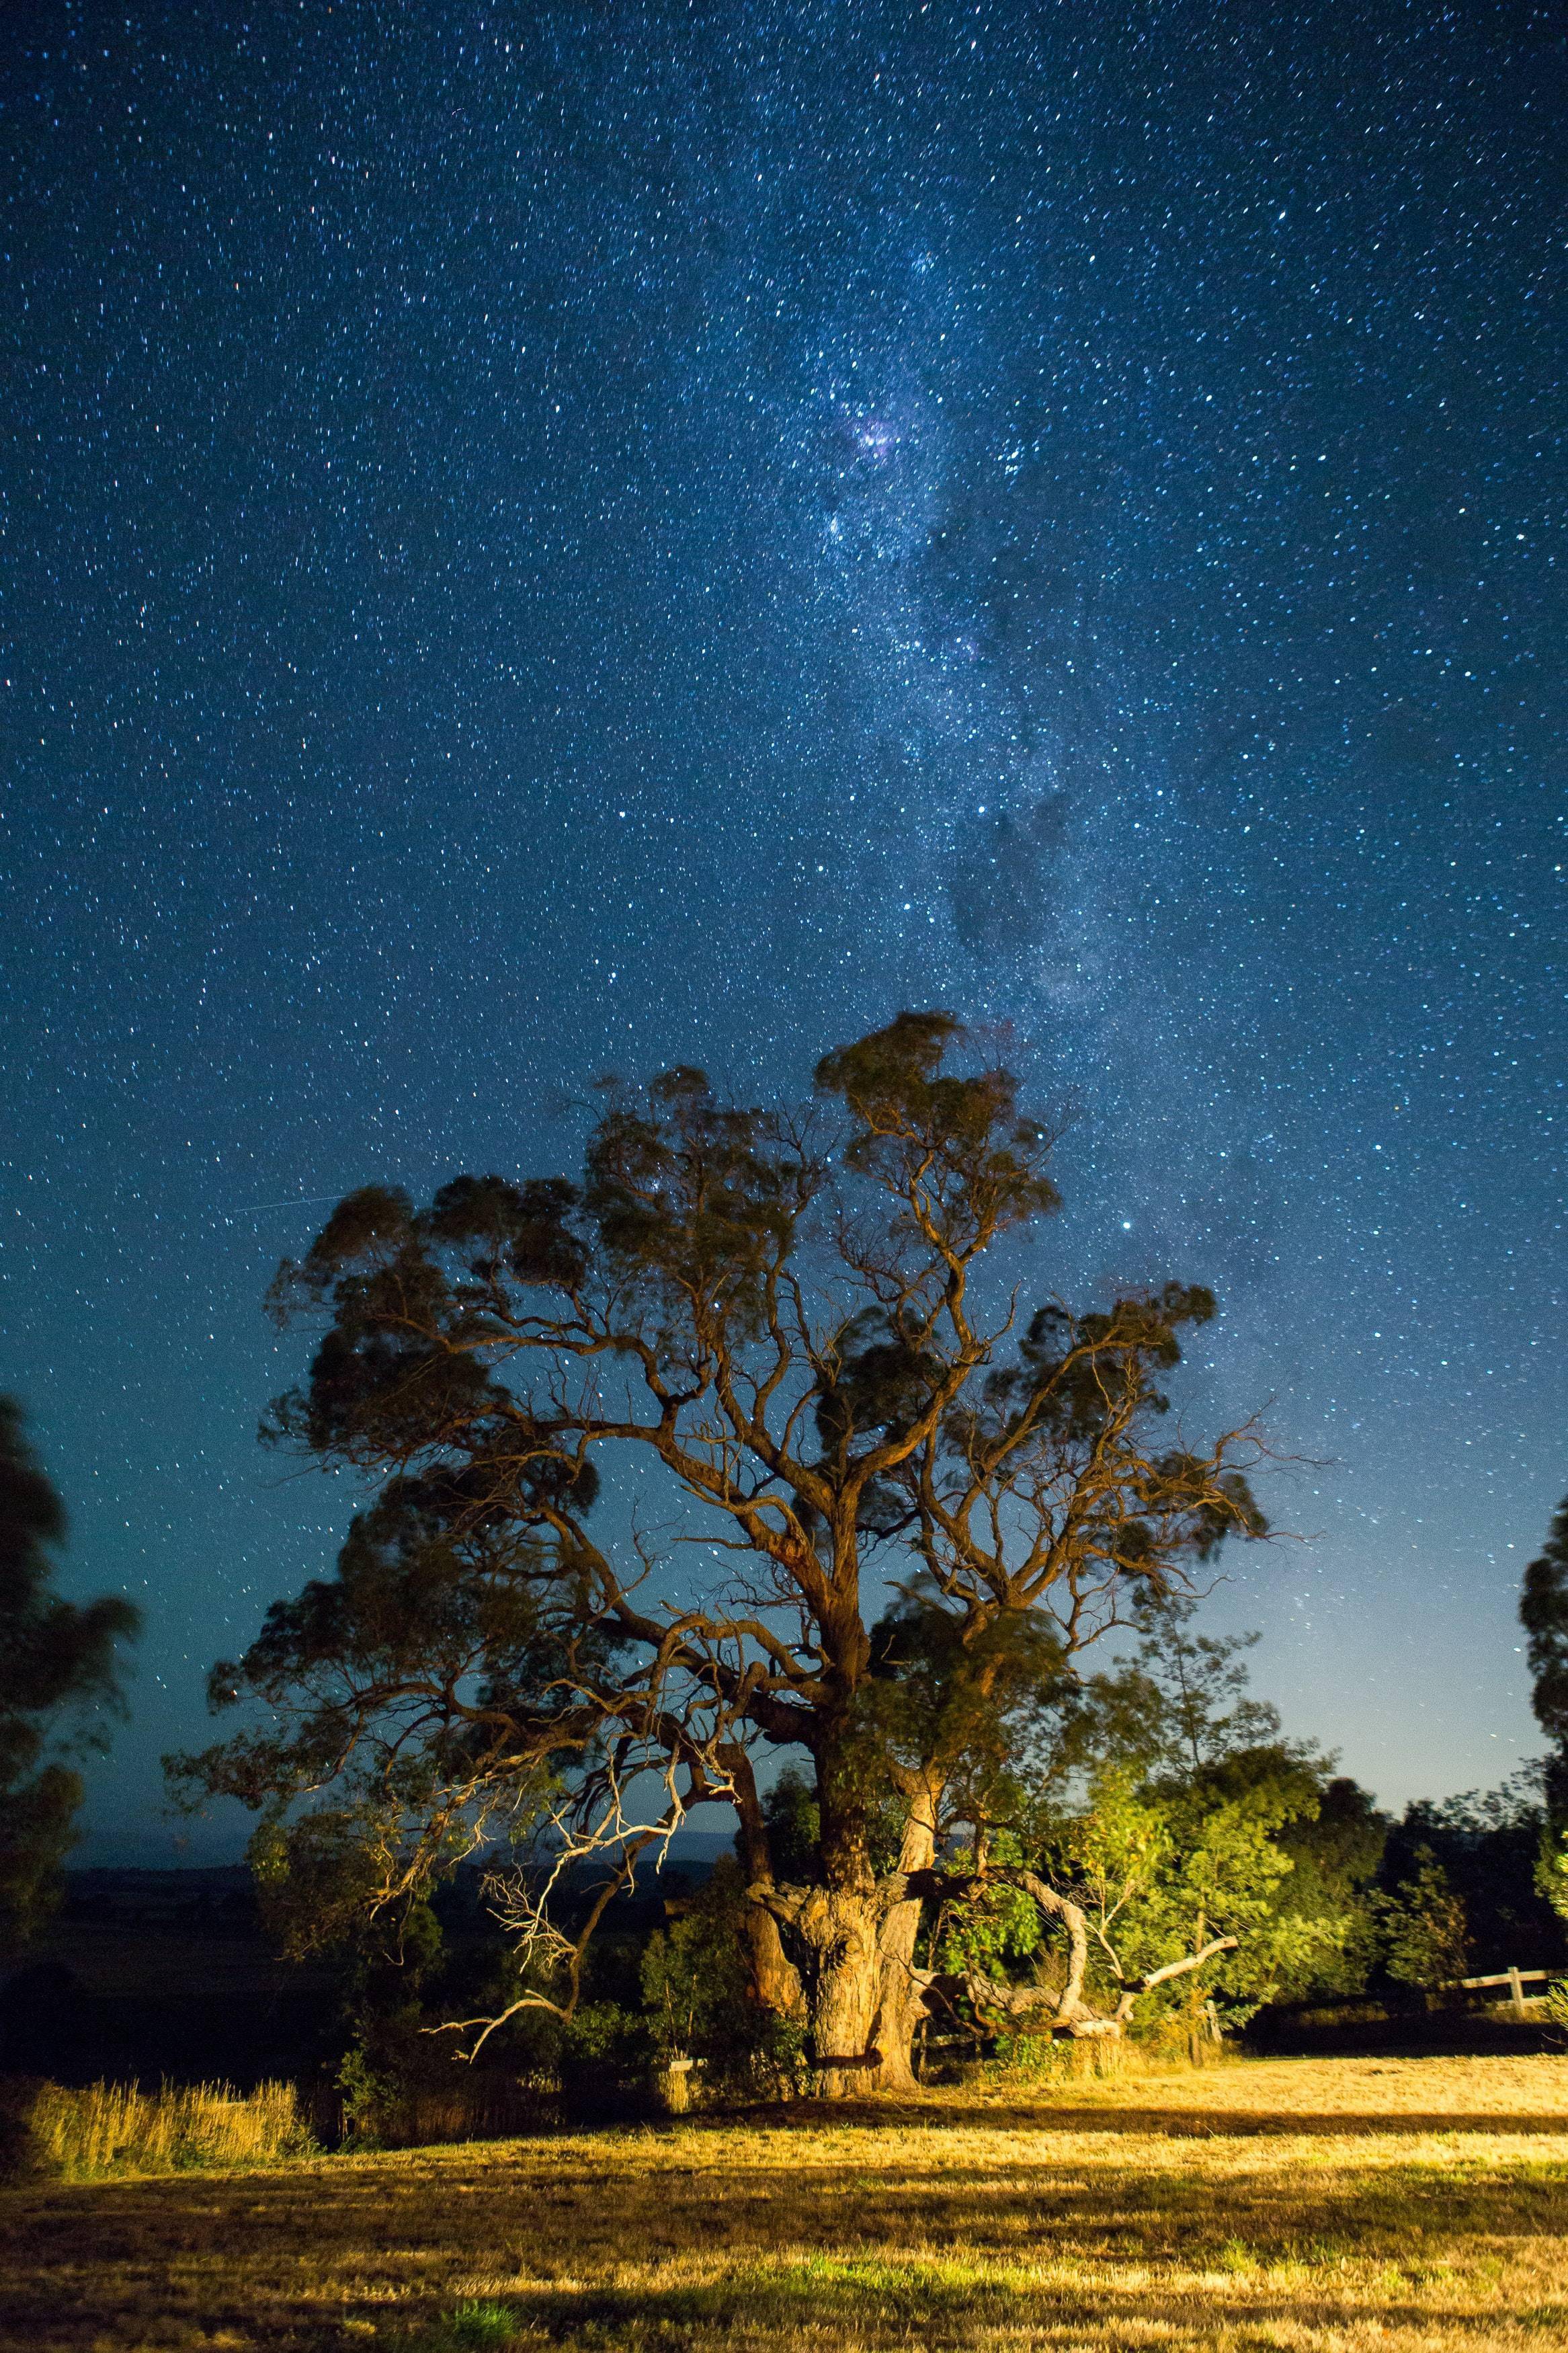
(781, 2252)
(1151, 2122)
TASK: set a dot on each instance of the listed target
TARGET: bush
(697, 2002)
(606, 2065)
(383, 2103)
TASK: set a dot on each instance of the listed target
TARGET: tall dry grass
(108, 2128)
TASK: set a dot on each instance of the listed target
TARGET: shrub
(697, 2004)
(1555, 2008)
(606, 2065)
(389, 2105)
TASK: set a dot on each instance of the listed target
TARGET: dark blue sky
(545, 539)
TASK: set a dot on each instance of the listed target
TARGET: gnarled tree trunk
(1067, 2011)
(840, 1930)
(836, 1931)
(861, 1993)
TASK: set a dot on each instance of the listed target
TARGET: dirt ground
(1300, 2204)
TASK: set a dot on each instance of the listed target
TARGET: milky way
(541, 540)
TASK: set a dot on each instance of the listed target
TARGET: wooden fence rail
(1515, 1981)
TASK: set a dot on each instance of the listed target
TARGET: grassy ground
(1301, 2203)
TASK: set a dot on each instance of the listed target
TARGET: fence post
(675, 2085)
(1516, 1988)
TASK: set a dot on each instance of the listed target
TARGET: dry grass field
(1300, 2204)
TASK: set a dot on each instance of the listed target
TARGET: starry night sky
(545, 539)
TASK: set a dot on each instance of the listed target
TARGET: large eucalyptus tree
(804, 1326)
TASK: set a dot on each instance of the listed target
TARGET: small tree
(797, 1332)
(698, 1997)
(1489, 1844)
(56, 1663)
(1551, 1870)
(1425, 1932)
(1162, 1799)
(1543, 1613)
(1335, 1854)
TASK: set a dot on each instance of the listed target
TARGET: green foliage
(370, 2096)
(1552, 1869)
(1167, 1805)
(1425, 1934)
(697, 1997)
(1179, 1705)
(388, 1965)
(477, 2326)
(1165, 1865)
(1490, 1846)
(1336, 1854)
(603, 2034)
(1557, 2008)
(1208, 1842)
(793, 1819)
(995, 1928)
(1116, 1848)
(316, 1879)
(1234, 1872)
(58, 1667)
(605, 2059)
(693, 1975)
(961, 1695)
(978, 1152)
(1543, 1613)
